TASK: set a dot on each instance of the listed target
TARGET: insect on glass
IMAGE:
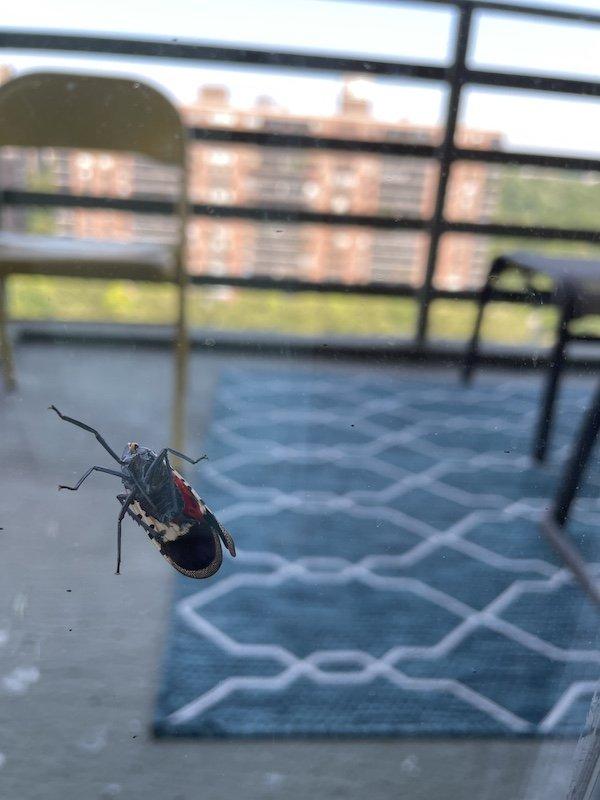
(161, 501)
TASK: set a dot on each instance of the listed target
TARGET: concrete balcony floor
(80, 730)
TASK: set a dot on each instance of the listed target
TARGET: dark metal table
(576, 291)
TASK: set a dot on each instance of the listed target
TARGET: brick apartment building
(328, 181)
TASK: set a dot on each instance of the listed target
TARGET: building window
(219, 195)
(340, 205)
(222, 118)
(220, 158)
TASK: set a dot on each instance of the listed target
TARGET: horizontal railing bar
(375, 288)
(538, 83)
(154, 206)
(294, 285)
(18, 197)
(536, 11)
(583, 337)
(398, 149)
(278, 214)
(152, 48)
(517, 8)
(308, 142)
(522, 231)
(526, 159)
(24, 40)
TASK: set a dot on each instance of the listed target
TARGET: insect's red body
(193, 507)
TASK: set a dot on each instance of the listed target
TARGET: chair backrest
(90, 112)
(93, 112)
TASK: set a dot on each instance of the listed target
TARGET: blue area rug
(391, 576)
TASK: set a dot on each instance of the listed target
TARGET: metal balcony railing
(456, 76)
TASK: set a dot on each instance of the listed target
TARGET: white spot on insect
(173, 532)
(165, 532)
(20, 679)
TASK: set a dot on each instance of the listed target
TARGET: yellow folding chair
(90, 112)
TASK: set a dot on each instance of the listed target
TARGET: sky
(396, 31)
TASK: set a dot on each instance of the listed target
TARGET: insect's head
(135, 453)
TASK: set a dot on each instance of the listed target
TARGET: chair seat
(33, 254)
(578, 278)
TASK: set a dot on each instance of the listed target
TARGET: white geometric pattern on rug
(403, 418)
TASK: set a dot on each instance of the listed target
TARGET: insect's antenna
(85, 427)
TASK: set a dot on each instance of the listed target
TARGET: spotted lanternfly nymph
(161, 501)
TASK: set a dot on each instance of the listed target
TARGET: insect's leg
(161, 457)
(182, 455)
(153, 467)
(85, 427)
(126, 504)
(88, 473)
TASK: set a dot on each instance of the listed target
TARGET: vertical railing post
(455, 78)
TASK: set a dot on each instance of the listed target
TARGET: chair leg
(553, 523)
(578, 461)
(571, 556)
(557, 360)
(472, 352)
(180, 383)
(8, 370)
